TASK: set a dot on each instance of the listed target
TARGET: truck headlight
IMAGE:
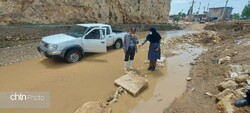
(52, 46)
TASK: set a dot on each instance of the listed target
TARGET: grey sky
(178, 5)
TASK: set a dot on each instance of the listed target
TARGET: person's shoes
(153, 69)
(241, 102)
(150, 67)
(131, 64)
(125, 67)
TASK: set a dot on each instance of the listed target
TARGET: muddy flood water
(92, 79)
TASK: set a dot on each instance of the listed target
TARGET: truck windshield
(76, 31)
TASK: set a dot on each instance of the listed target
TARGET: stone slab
(133, 83)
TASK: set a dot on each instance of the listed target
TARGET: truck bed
(118, 31)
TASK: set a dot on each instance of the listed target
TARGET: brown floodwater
(92, 79)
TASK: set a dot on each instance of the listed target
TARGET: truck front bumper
(49, 53)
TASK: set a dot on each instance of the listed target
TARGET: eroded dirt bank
(208, 71)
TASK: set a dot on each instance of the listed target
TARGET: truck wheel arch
(76, 47)
(118, 40)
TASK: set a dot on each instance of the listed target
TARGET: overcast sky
(178, 5)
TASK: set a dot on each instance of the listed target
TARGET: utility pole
(192, 7)
(207, 7)
(224, 10)
(204, 10)
(199, 8)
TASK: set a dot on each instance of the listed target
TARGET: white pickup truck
(80, 39)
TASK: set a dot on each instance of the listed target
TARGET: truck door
(94, 41)
(109, 36)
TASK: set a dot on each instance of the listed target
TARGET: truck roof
(92, 25)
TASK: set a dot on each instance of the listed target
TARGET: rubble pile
(233, 87)
(114, 98)
(93, 107)
(205, 38)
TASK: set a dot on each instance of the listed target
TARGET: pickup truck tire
(117, 44)
(47, 56)
(73, 56)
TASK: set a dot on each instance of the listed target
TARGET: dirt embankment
(224, 47)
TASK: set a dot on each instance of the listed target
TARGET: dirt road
(92, 79)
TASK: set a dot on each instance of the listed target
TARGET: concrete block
(133, 83)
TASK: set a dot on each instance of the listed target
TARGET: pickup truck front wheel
(73, 56)
(118, 44)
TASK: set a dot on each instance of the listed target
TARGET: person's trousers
(130, 54)
(152, 63)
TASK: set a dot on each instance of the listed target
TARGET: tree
(180, 14)
(246, 11)
(176, 18)
(236, 16)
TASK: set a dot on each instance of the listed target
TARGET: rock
(70, 11)
(243, 84)
(217, 39)
(192, 63)
(224, 93)
(236, 68)
(176, 52)
(188, 78)
(110, 99)
(240, 93)
(225, 59)
(160, 65)
(93, 107)
(248, 81)
(146, 62)
(233, 74)
(8, 38)
(226, 104)
(246, 68)
(233, 54)
(209, 94)
(163, 59)
(241, 78)
(133, 83)
(228, 84)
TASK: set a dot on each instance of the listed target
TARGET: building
(217, 13)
